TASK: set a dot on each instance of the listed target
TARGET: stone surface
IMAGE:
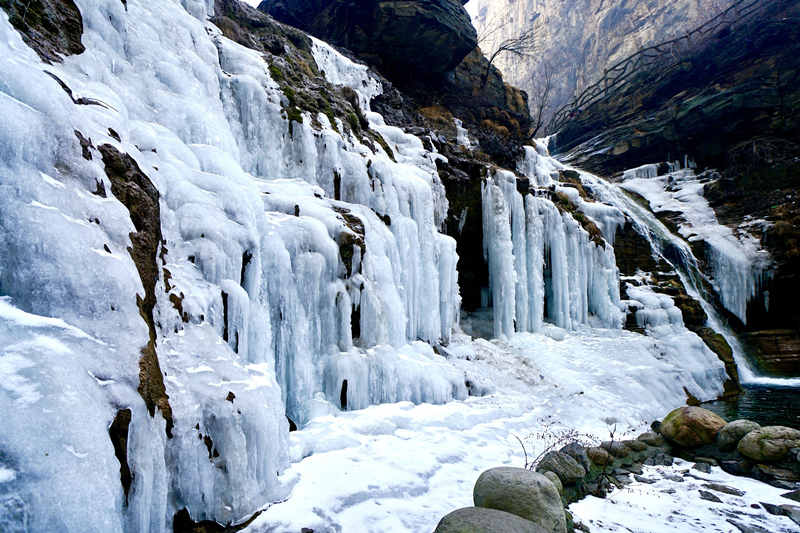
(567, 468)
(651, 439)
(482, 520)
(730, 435)
(691, 427)
(724, 489)
(616, 448)
(598, 456)
(553, 477)
(404, 37)
(577, 452)
(527, 494)
(579, 38)
(705, 495)
(770, 443)
(635, 445)
(53, 28)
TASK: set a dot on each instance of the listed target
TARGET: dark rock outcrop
(138, 194)
(404, 38)
(53, 28)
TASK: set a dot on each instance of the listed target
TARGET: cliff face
(731, 103)
(578, 39)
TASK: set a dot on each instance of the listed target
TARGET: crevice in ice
(343, 396)
(118, 432)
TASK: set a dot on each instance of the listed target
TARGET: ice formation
(300, 273)
(542, 264)
(738, 265)
(255, 302)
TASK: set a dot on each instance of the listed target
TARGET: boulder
(730, 435)
(691, 427)
(635, 445)
(553, 477)
(482, 520)
(616, 448)
(770, 443)
(577, 452)
(519, 491)
(567, 468)
(401, 37)
(651, 439)
(598, 456)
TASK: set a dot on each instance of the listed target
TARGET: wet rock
(724, 489)
(772, 508)
(635, 445)
(616, 448)
(770, 443)
(702, 467)
(527, 494)
(598, 456)
(730, 435)
(708, 496)
(793, 495)
(577, 452)
(737, 468)
(651, 439)
(793, 512)
(691, 427)
(482, 520)
(567, 468)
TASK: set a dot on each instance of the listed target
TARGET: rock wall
(578, 39)
(731, 104)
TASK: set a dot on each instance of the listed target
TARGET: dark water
(768, 407)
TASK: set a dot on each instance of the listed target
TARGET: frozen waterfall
(543, 266)
(297, 270)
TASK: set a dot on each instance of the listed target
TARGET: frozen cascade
(738, 267)
(675, 251)
(254, 299)
(542, 264)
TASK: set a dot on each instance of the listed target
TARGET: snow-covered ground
(673, 502)
(401, 467)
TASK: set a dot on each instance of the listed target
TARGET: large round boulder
(730, 435)
(519, 491)
(403, 37)
(482, 520)
(691, 427)
(770, 443)
(563, 465)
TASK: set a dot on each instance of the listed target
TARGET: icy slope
(738, 264)
(254, 300)
(401, 467)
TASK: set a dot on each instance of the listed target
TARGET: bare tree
(491, 27)
(523, 45)
(540, 99)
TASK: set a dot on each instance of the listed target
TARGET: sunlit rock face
(577, 40)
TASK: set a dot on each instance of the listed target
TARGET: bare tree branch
(540, 100)
(523, 45)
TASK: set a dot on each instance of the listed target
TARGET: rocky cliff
(728, 102)
(578, 39)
